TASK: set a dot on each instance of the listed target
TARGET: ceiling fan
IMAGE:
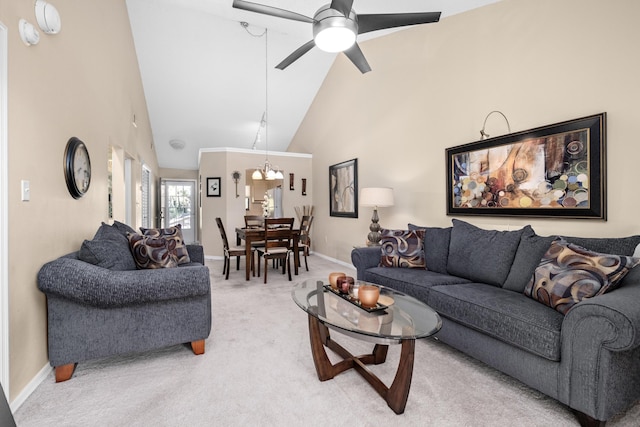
(336, 25)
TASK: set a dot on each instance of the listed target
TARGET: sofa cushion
(171, 234)
(108, 254)
(411, 281)
(614, 245)
(481, 255)
(109, 232)
(569, 273)
(530, 251)
(502, 314)
(152, 252)
(436, 247)
(402, 248)
(123, 228)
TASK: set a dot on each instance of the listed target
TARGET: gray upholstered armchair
(95, 312)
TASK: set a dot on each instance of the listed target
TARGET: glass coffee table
(397, 319)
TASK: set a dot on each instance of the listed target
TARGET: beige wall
(81, 82)
(222, 163)
(168, 173)
(538, 61)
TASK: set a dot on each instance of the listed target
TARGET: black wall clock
(77, 168)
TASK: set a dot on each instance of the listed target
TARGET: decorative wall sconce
(48, 17)
(483, 134)
(291, 182)
(304, 186)
(236, 177)
(28, 33)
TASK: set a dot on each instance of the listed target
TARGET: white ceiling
(204, 74)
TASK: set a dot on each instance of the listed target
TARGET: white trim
(31, 387)
(4, 216)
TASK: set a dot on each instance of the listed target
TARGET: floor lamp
(378, 197)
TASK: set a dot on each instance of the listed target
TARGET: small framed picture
(213, 187)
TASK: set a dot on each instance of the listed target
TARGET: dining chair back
(253, 221)
(304, 244)
(277, 244)
(232, 251)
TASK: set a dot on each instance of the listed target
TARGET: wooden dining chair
(304, 242)
(277, 244)
(233, 251)
(253, 221)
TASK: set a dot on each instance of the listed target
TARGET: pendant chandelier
(266, 171)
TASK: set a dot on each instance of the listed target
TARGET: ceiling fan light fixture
(334, 32)
(335, 39)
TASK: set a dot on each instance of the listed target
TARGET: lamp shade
(376, 196)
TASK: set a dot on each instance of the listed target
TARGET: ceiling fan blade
(270, 10)
(375, 22)
(296, 55)
(357, 57)
(342, 6)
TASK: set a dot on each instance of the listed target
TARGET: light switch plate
(26, 196)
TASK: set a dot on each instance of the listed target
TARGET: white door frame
(4, 216)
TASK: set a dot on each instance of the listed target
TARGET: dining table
(250, 235)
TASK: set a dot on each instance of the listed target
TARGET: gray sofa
(99, 304)
(588, 358)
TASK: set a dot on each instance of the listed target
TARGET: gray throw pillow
(436, 247)
(480, 255)
(530, 251)
(109, 254)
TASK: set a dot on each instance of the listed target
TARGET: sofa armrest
(99, 287)
(196, 253)
(613, 319)
(599, 355)
(365, 257)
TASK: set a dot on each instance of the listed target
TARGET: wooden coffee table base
(395, 396)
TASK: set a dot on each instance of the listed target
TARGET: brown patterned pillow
(152, 252)
(171, 234)
(569, 273)
(402, 248)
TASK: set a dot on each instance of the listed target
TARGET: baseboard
(213, 257)
(30, 388)
(337, 261)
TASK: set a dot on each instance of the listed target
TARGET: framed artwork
(556, 171)
(343, 189)
(213, 187)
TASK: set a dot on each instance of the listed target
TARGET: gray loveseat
(99, 304)
(587, 358)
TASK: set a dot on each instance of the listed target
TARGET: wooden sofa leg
(197, 347)
(587, 421)
(64, 372)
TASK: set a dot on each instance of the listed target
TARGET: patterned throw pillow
(171, 234)
(402, 248)
(152, 252)
(569, 273)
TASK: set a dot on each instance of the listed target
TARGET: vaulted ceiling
(204, 74)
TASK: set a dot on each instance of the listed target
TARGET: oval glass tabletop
(404, 317)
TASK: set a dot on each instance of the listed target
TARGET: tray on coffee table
(349, 298)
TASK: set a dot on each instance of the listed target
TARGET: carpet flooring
(257, 371)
